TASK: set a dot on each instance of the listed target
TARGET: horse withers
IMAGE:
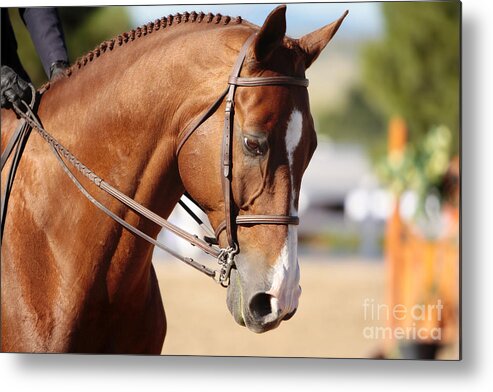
(72, 279)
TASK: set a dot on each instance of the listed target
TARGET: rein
(17, 141)
(225, 256)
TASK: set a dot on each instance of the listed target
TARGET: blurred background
(379, 206)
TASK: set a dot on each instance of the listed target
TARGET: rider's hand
(13, 88)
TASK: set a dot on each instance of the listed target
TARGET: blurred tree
(357, 121)
(84, 28)
(415, 70)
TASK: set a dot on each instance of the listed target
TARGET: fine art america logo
(402, 322)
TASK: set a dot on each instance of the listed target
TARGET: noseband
(225, 256)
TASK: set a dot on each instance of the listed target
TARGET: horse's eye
(254, 145)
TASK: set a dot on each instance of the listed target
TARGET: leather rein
(225, 256)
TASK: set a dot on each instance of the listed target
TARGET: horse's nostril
(260, 305)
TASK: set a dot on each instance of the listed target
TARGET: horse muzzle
(256, 308)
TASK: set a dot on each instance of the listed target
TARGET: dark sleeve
(46, 32)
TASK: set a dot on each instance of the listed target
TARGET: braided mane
(141, 31)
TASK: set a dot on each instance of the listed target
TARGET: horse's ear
(271, 34)
(313, 43)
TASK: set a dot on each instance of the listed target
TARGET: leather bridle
(209, 245)
(231, 221)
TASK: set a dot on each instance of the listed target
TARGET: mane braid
(151, 27)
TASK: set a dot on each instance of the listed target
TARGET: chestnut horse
(72, 279)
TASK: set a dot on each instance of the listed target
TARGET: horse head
(272, 143)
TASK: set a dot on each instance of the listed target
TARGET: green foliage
(357, 122)
(94, 26)
(414, 71)
(84, 28)
(419, 167)
(25, 48)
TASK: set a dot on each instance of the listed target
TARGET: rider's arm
(46, 32)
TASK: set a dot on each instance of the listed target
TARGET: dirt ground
(329, 321)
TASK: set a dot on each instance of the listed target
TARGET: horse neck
(130, 106)
(121, 116)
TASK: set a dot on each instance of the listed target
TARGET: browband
(268, 81)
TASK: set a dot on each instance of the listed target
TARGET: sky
(364, 20)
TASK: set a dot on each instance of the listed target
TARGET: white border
(127, 373)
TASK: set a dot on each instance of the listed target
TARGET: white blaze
(285, 283)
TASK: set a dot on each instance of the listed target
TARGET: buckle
(226, 260)
(229, 106)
